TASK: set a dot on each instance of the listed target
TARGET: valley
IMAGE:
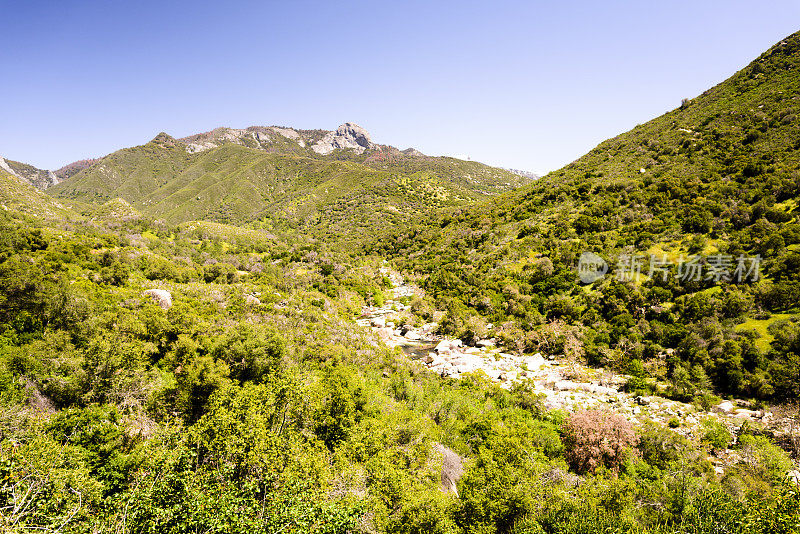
(562, 385)
(276, 329)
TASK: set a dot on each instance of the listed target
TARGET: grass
(761, 327)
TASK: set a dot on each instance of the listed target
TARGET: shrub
(715, 434)
(764, 459)
(595, 438)
(660, 446)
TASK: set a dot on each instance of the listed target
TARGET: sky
(527, 85)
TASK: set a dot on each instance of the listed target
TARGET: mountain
(526, 174)
(328, 179)
(17, 193)
(38, 178)
(716, 179)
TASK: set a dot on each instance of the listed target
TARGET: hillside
(18, 194)
(717, 180)
(163, 379)
(302, 331)
(284, 178)
(38, 178)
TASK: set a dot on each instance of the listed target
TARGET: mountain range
(335, 181)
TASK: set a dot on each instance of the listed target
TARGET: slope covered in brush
(717, 178)
(283, 177)
(19, 195)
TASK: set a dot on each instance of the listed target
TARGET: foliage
(594, 439)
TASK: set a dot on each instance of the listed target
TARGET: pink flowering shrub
(593, 438)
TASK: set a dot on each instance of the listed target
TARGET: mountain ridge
(292, 176)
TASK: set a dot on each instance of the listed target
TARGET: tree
(594, 438)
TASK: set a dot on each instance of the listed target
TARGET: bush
(715, 434)
(594, 438)
(764, 459)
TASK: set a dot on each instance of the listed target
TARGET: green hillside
(282, 184)
(720, 175)
(250, 400)
(206, 347)
(18, 195)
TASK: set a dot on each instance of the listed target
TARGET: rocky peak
(351, 132)
(347, 136)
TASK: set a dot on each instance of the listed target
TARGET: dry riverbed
(563, 385)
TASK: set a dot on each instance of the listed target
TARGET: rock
(385, 334)
(443, 347)
(347, 136)
(723, 407)
(642, 401)
(793, 477)
(508, 376)
(493, 373)
(565, 385)
(601, 390)
(412, 335)
(378, 322)
(252, 300)
(162, 297)
(486, 343)
(534, 362)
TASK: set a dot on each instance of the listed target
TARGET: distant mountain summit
(526, 174)
(348, 136)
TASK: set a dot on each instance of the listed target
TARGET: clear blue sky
(529, 85)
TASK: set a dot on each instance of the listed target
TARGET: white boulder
(162, 297)
(724, 407)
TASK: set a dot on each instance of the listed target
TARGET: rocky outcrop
(162, 297)
(261, 137)
(38, 178)
(452, 468)
(347, 136)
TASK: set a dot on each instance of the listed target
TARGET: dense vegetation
(717, 178)
(252, 402)
(226, 414)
